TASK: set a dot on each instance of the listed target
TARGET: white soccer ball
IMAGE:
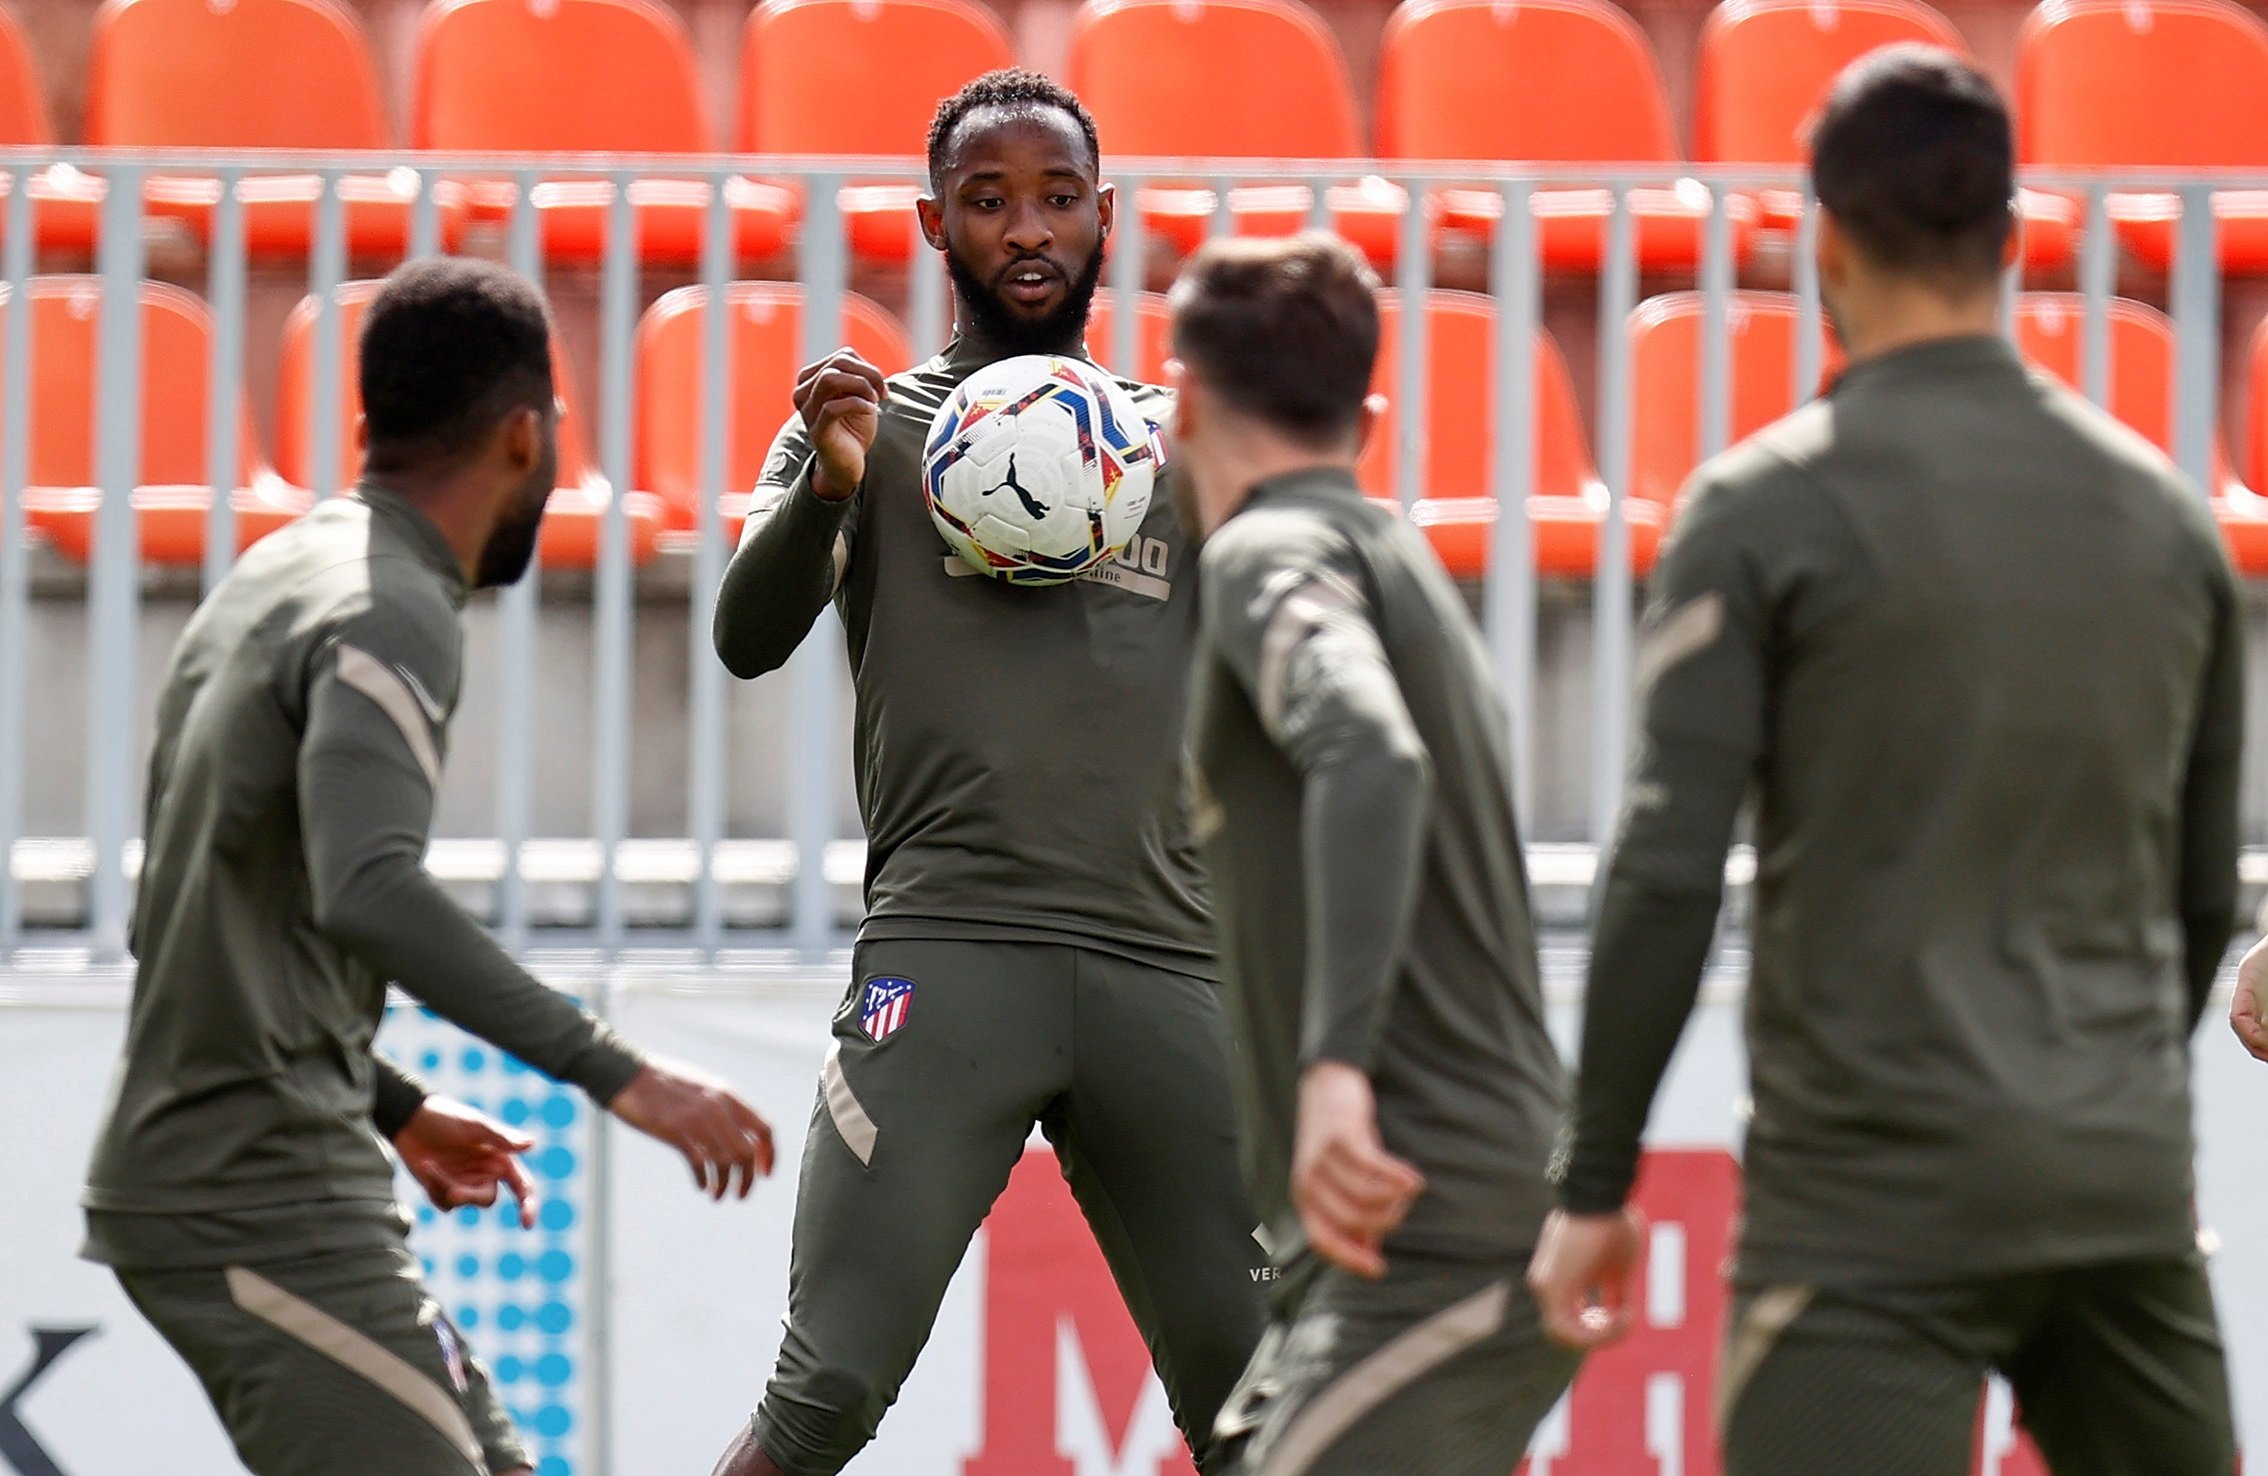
(1038, 468)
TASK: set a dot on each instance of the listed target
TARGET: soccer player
(238, 1187)
(1397, 1091)
(1036, 945)
(1976, 650)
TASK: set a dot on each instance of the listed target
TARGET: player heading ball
(1974, 648)
(1397, 1093)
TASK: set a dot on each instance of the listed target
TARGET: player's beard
(511, 547)
(1060, 332)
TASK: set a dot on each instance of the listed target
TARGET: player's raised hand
(1581, 1275)
(2245, 1013)
(461, 1157)
(726, 1144)
(840, 400)
(1349, 1191)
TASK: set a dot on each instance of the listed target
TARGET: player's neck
(982, 345)
(459, 518)
(1908, 315)
(1240, 470)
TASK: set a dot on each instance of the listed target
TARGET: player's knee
(829, 1417)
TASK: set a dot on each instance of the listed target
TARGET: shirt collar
(1311, 481)
(1987, 352)
(963, 356)
(414, 528)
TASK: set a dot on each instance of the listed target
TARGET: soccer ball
(1039, 468)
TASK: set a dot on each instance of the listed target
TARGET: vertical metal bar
(612, 613)
(1319, 204)
(113, 580)
(224, 381)
(1126, 253)
(425, 217)
(811, 770)
(1412, 280)
(1611, 594)
(1222, 222)
(930, 322)
(1509, 595)
(326, 272)
(15, 591)
(2197, 336)
(705, 763)
(1714, 432)
(516, 607)
(2098, 260)
(1809, 362)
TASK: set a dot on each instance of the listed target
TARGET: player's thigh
(2125, 1375)
(1815, 1380)
(330, 1366)
(1441, 1368)
(1147, 1137)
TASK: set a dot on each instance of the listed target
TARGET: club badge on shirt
(882, 1010)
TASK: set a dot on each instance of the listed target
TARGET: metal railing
(1513, 272)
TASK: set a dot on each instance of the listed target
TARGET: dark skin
(1019, 198)
(1020, 203)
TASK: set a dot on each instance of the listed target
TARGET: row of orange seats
(1565, 509)
(2154, 83)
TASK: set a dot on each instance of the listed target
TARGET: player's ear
(931, 213)
(1831, 248)
(523, 433)
(1106, 208)
(2013, 247)
(1367, 420)
(1184, 399)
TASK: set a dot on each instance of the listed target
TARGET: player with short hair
(1976, 649)
(1397, 1090)
(238, 1188)
(1036, 946)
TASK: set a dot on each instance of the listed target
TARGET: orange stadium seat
(1152, 322)
(2243, 511)
(1766, 66)
(1456, 507)
(254, 74)
(171, 495)
(801, 58)
(2157, 84)
(581, 77)
(766, 343)
(574, 519)
(1665, 383)
(1231, 80)
(1587, 93)
(66, 205)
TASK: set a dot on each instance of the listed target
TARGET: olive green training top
(1016, 748)
(299, 740)
(1976, 650)
(1353, 783)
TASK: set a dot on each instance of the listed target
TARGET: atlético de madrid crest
(883, 1008)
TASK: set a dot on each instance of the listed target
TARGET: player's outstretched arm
(1290, 617)
(1703, 675)
(796, 542)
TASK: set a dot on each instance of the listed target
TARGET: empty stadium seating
(171, 496)
(66, 204)
(255, 74)
(2158, 84)
(1665, 385)
(581, 77)
(573, 525)
(1766, 66)
(764, 327)
(1549, 81)
(1251, 80)
(802, 58)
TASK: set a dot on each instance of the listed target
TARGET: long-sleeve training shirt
(1353, 798)
(299, 740)
(1975, 649)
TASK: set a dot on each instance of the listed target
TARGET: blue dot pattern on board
(516, 1293)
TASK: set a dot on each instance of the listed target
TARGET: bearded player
(238, 1187)
(1036, 947)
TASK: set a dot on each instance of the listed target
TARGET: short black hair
(1013, 88)
(1914, 157)
(450, 346)
(1283, 328)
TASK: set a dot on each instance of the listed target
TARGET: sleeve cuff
(604, 1067)
(395, 1098)
(1592, 1188)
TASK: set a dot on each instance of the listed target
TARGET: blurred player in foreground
(1977, 649)
(1036, 945)
(1397, 1091)
(238, 1187)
